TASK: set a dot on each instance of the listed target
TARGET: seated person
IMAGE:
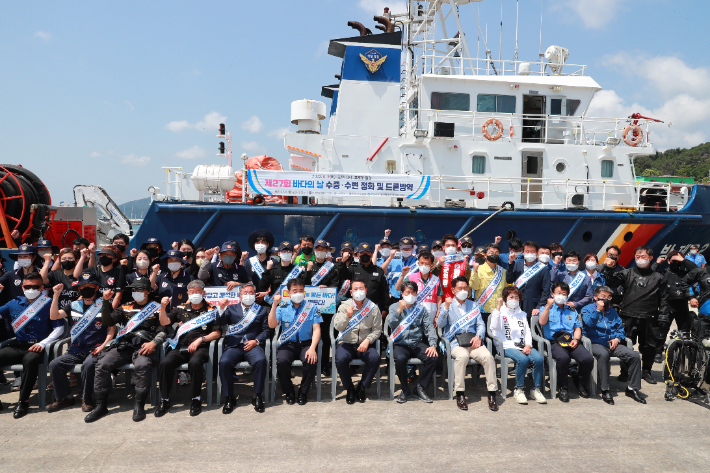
(603, 326)
(191, 344)
(562, 326)
(510, 324)
(359, 322)
(457, 318)
(244, 341)
(408, 336)
(298, 340)
(88, 338)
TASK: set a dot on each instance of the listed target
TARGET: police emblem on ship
(373, 60)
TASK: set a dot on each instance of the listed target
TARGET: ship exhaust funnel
(364, 31)
(387, 25)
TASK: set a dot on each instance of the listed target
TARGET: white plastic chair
(595, 372)
(449, 365)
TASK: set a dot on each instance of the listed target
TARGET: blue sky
(109, 92)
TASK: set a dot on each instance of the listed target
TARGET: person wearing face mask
(88, 338)
(466, 244)
(108, 272)
(562, 326)
(82, 243)
(225, 272)
(414, 336)
(154, 247)
(383, 253)
(141, 268)
(138, 342)
(298, 340)
(613, 253)
(28, 316)
(695, 257)
(198, 327)
(453, 264)
(429, 291)
(388, 258)
(170, 283)
(488, 280)
(375, 279)
(393, 269)
(121, 242)
(246, 334)
(260, 241)
(342, 266)
(359, 322)
(701, 277)
(305, 244)
(45, 249)
(515, 253)
(579, 282)
(604, 328)
(532, 276)
(12, 280)
(187, 248)
(275, 279)
(461, 323)
(437, 249)
(678, 290)
(591, 265)
(510, 325)
(644, 307)
(63, 276)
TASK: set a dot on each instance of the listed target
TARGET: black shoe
(230, 403)
(302, 399)
(461, 401)
(195, 407)
(1, 406)
(421, 394)
(606, 397)
(623, 376)
(23, 407)
(3, 381)
(360, 393)
(403, 397)
(350, 396)
(163, 408)
(258, 403)
(325, 371)
(492, 403)
(658, 358)
(648, 377)
(583, 391)
(100, 410)
(139, 407)
(563, 394)
(634, 394)
(291, 398)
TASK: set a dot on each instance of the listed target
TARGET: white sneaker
(539, 397)
(519, 396)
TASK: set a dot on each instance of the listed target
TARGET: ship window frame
(571, 106)
(558, 163)
(610, 166)
(499, 98)
(444, 100)
(474, 164)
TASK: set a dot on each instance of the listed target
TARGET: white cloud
(95, 155)
(322, 48)
(177, 126)
(210, 123)
(253, 124)
(135, 160)
(378, 7)
(44, 36)
(596, 14)
(280, 132)
(252, 146)
(192, 153)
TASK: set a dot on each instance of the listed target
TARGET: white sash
(463, 321)
(256, 266)
(303, 312)
(246, 321)
(455, 258)
(408, 320)
(30, 312)
(295, 272)
(322, 272)
(427, 290)
(576, 283)
(490, 289)
(86, 319)
(343, 289)
(204, 319)
(138, 319)
(529, 273)
(356, 319)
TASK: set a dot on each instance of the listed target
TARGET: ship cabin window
(496, 103)
(555, 106)
(572, 106)
(478, 164)
(450, 101)
(607, 168)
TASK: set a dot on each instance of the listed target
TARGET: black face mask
(556, 254)
(68, 264)
(365, 258)
(674, 265)
(121, 248)
(106, 260)
(480, 259)
(493, 258)
(87, 292)
(188, 254)
(307, 250)
(152, 251)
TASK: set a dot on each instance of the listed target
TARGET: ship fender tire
(487, 134)
(633, 135)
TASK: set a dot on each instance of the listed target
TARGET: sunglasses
(31, 286)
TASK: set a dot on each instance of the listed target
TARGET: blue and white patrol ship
(423, 138)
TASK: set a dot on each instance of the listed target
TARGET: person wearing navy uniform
(176, 276)
(141, 347)
(30, 340)
(12, 280)
(64, 276)
(536, 288)
(83, 350)
(301, 345)
(343, 263)
(245, 346)
(225, 272)
(374, 277)
(107, 271)
(260, 241)
(562, 326)
(154, 247)
(331, 279)
(273, 278)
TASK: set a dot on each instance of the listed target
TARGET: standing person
(532, 276)
(393, 269)
(604, 328)
(225, 272)
(410, 325)
(360, 325)
(306, 246)
(276, 278)
(83, 244)
(453, 264)
(88, 338)
(342, 265)
(488, 280)
(557, 262)
(429, 288)
(299, 339)
(515, 248)
(12, 280)
(154, 247)
(701, 277)
(678, 292)
(176, 276)
(63, 276)
(580, 285)
(591, 266)
(107, 272)
(260, 241)
(198, 327)
(187, 248)
(613, 253)
(121, 242)
(374, 277)
(644, 307)
(695, 257)
(29, 318)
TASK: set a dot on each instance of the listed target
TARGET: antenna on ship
(517, 11)
(500, 44)
(539, 51)
(485, 40)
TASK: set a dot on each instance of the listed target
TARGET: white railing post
(604, 196)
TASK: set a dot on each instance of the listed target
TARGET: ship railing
(531, 128)
(174, 181)
(448, 64)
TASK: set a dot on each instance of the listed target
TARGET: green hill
(135, 208)
(693, 162)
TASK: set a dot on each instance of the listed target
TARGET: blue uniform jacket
(583, 295)
(535, 290)
(36, 329)
(257, 330)
(286, 315)
(601, 327)
(564, 319)
(92, 336)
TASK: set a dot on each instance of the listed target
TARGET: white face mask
(692, 252)
(286, 257)
(41, 253)
(32, 293)
(398, 254)
(437, 254)
(410, 299)
(24, 262)
(642, 263)
(195, 298)
(142, 264)
(560, 299)
(512, 304)
(462, 295)
(320, 254)
(298, 297)
(386, 252)
(248, 299)
(359, 295)
(591, 265)
(406, 253)
(450, 250)
(260, 248)
(571, 267)
(356, 260)
(138, 296)
(424, 269)
(544, 258)
(467, 251)
(530, 257)
(174, 266)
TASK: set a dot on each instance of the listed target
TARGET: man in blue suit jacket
(247, 343)
(537, 288)
(580, 295)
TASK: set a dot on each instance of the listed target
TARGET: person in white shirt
(510, 324)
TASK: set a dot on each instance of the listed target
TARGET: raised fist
(349, 311)
(405, 270)
(277, 299)
(499, 303)
(156, 268)
(134, 252)
(47, 257)
(108, 294)
(223, 303)
(447, 302)
(164, 302)
(270, 264)
(245, 255)
(58, 289)
(309, 267)
(92, 247)
(550, 303)
(498, 239)
(387, 233)
(401, 305)
(175, 245)
(475, 266)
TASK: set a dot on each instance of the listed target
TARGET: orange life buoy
(635, 137)
(511, 131)
(499, 126)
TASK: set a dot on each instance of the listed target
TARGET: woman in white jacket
(510, 324)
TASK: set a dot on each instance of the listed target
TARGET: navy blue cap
(421, 248)
(346, 245)
(142, 283)
(47, 244)
(466, 241)
(286, 245)
(364, 247)
(385, 241)
(230, 246)
(322, 243)
(23, 250)
(151, 241)
(408, 241)
(175, 254)
(436, 243)
(88, 278)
